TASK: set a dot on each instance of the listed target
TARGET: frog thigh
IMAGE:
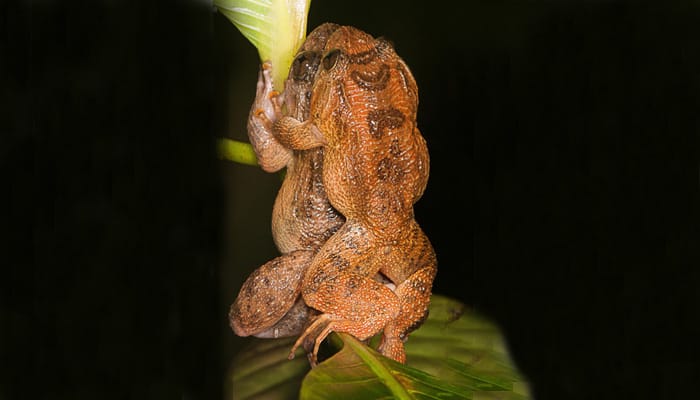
(269, 293)
(292, 323)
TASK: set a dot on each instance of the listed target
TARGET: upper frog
(363, 109)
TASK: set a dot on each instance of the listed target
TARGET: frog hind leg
(411, 265)
(292, 323)
(269, 293)
(350, 303)
(414, 297)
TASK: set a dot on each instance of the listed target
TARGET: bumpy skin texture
(363, 114)
(269, 304)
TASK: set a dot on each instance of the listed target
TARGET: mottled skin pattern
(363, 114)
(269, 304)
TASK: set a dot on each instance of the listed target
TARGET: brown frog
(362, 114)
(269, 304)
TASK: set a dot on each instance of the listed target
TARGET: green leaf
(277, 28)
(358, 372)
(262, 371)
(456, 354)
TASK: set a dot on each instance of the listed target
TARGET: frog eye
(305, 66)
(330, 59)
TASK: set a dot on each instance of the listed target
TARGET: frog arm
(272, 155)
(298, 135)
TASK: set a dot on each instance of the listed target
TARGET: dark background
(563, 198)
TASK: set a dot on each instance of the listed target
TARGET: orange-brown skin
(269, 304)
(363, 114)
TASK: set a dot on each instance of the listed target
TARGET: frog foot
(324, 325)
(268, 101)
(272, 100)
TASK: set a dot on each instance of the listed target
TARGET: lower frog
(363, 109)
(269, 303)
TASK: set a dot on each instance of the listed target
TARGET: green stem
(233, 150)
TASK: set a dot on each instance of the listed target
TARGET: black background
(563, 198)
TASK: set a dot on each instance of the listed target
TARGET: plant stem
(236, 151)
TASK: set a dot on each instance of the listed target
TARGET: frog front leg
(298, 135)
(265, 111)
